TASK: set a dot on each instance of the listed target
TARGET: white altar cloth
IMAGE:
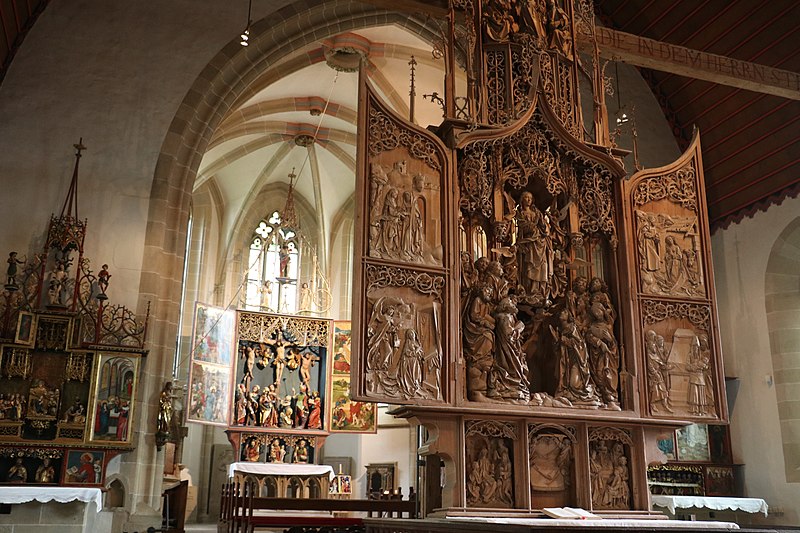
(601, 523)
(24, 494)
(748, 505)
(281, 469)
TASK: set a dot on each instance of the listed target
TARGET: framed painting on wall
(26, 328)
(113, 398)
(84, 467)
(349, 416)
(692, 443)
(210, 371)
(666, 444)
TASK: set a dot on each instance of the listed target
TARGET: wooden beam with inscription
(434, 8)
(666, 57)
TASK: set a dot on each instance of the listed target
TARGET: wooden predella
(533, 306)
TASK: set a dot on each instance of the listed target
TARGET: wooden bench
(239, 503)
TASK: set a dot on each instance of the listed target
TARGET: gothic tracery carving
(678, 187)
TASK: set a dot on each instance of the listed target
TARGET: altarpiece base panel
(509, 279)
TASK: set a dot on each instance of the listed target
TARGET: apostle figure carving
(490, 481)
(508, 377)
(658, 367)
(603, 354)
(609, 472)
(575, 383)
(478, 334)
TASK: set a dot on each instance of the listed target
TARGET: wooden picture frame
(25, 332)
(85, 468)
(691, 443)
(116, 381)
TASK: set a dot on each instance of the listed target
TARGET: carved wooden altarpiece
(535, 310)
(278, 404)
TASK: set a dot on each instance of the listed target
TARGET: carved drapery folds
(489, 456)
(403, 260)
(551, 449)
(680, 363)
(680, 356)
(610, 468)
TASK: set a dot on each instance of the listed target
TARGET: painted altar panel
(113, 398)
(402, 256)
(345, 414)
(210, 368)
(678, 338)
(280, 373)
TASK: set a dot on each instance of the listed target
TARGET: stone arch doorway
(221, 84)
(782, 289)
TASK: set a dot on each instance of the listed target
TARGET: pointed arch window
(273, 266)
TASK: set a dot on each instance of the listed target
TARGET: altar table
(712, 503)
(15, 494)
(285, 480)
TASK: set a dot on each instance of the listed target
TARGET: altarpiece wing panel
(403, 259)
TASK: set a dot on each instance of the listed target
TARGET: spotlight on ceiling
(244, 38)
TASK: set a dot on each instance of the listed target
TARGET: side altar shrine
(546, 312)
(70, 364)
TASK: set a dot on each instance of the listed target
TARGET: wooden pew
(239, 503)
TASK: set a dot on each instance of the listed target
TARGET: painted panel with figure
(347, 415)
(114, 397)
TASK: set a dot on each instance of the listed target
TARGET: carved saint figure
(314, 411)
(508, 377)
(45, 473)
(276, 451)
(390, 224)
(657, 372)
(284, 258)
(17, 473)
(603, 354)
(164, 421)
(673, 262)
(56, 285)
(478, 334)
(301, 452)
(609, 475)
(382, 335)
(649, 256)
(102, 279)
(409, 368)
(574, 378)
(534, 249)
(252, 450)
(698, 367)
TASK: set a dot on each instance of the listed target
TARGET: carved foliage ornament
(678, 187)
(596, 204)
(379, 277)
(491, 428)
(258, 327)
(655, 311)
(386, 134)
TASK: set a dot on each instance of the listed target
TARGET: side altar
(530, 303)
(70, 364)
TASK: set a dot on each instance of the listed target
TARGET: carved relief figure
(550, 460)
(277, 451)
(17, 473)
(478, 334)
(534, 248)
(603, 354)
(45, 473)
(409, 370)
(668, 258)
(699, 363)
(382, 336)
(658, 368)
(508, 377)
(575, 383)
(490, 475)
(609, 472)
